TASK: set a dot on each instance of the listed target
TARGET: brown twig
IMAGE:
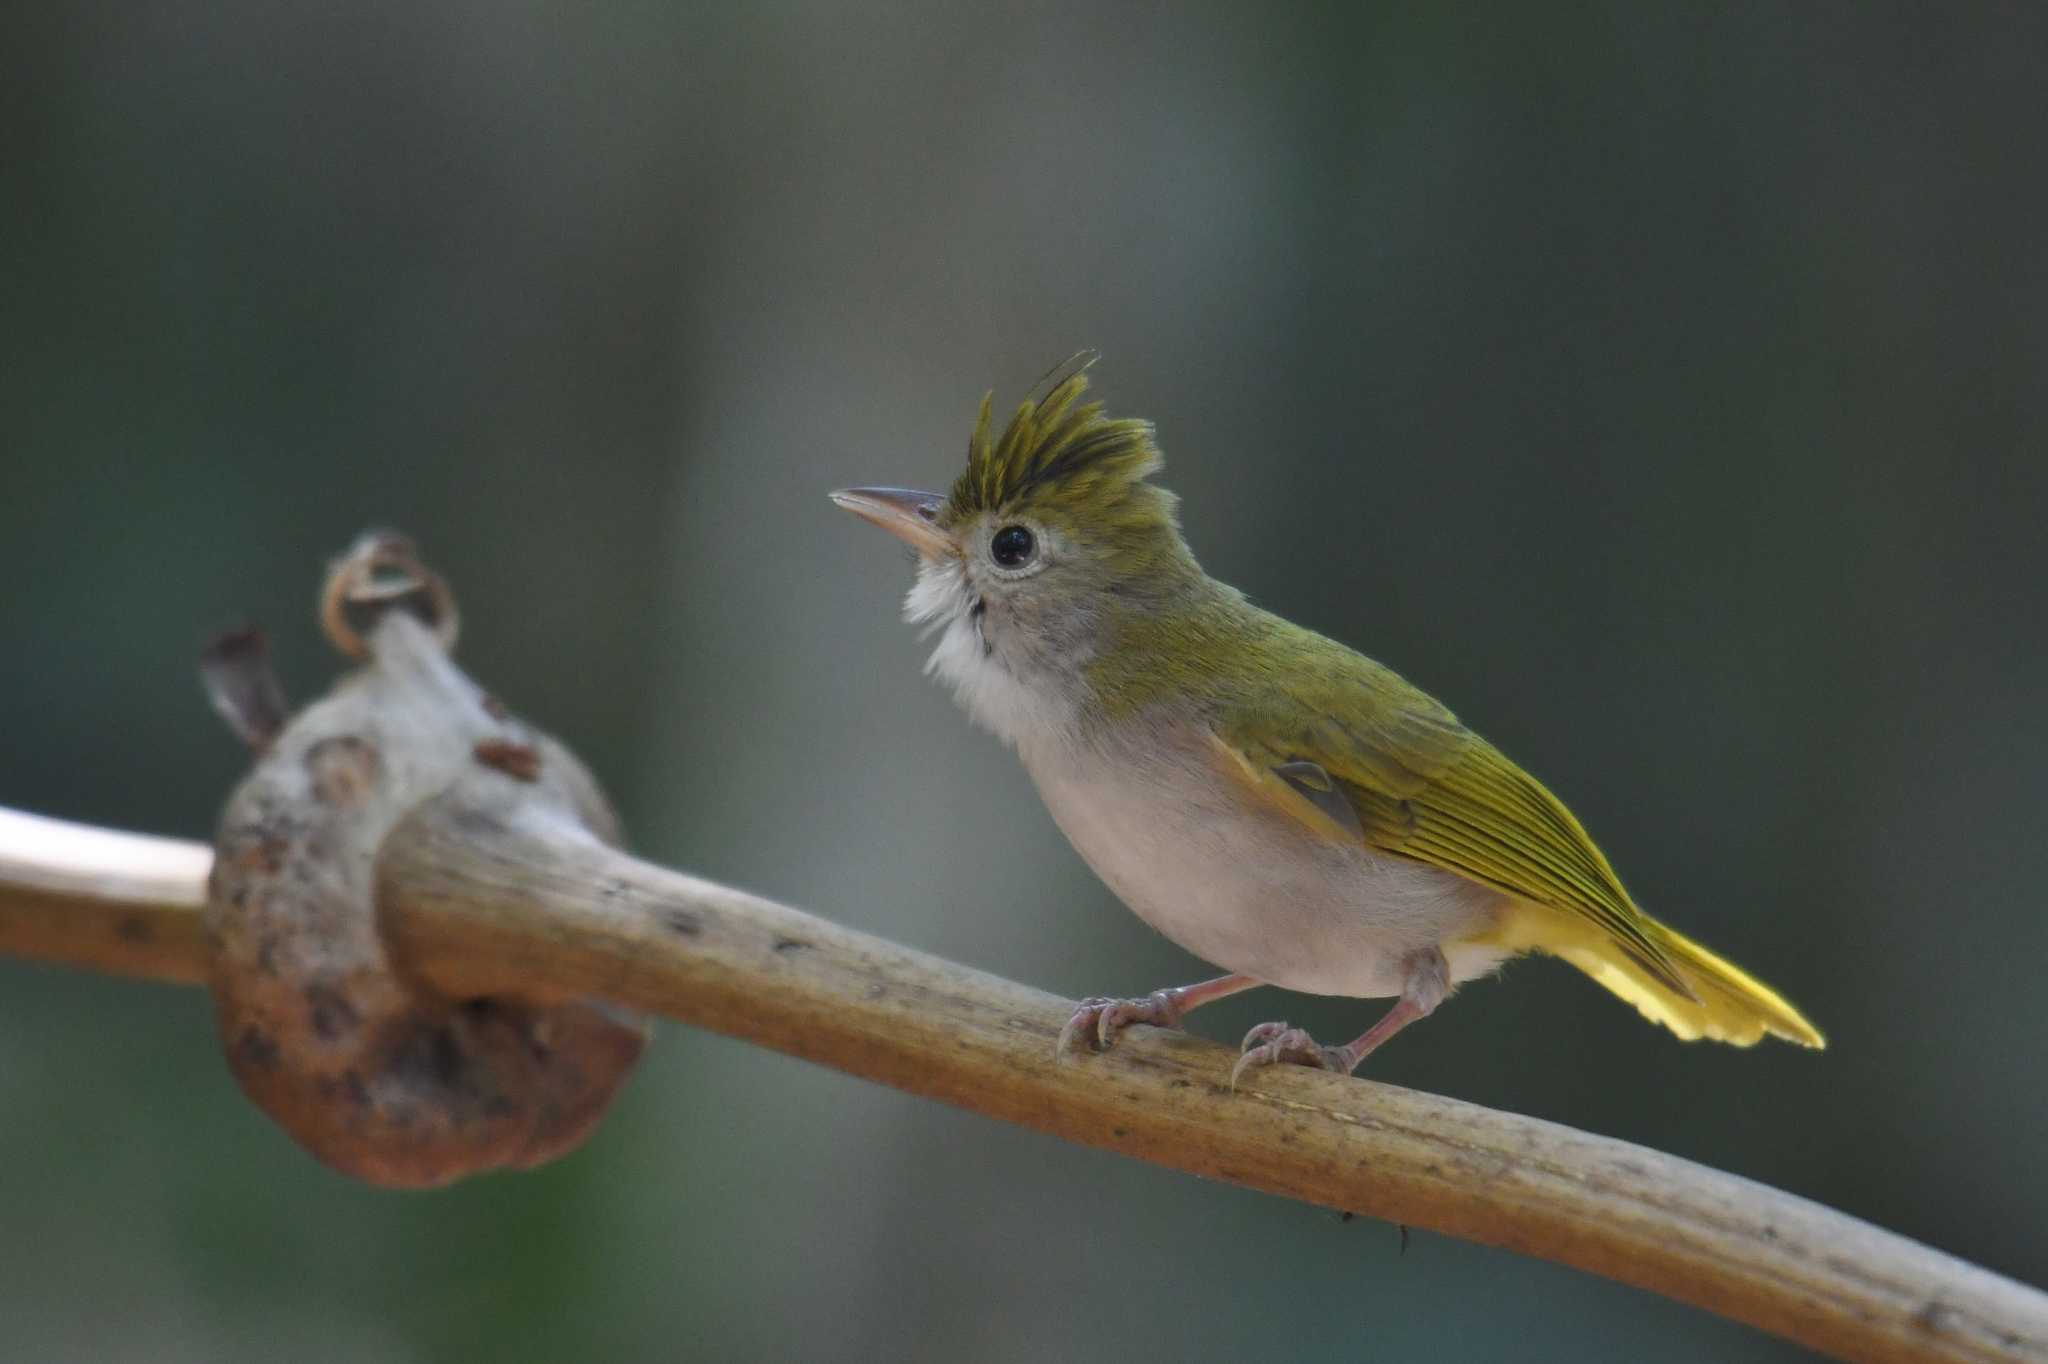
(416, 898)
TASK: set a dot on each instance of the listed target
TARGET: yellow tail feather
(1729, 1004)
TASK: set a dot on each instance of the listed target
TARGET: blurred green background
(1663, 390)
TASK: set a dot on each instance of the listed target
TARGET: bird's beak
(910, 516)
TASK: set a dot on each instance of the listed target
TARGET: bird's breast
(1250, 889)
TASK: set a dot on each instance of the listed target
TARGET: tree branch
(127, 904)
(536, 907)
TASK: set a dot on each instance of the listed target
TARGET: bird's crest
(1057, 452)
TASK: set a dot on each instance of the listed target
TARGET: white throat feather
(1027, 713)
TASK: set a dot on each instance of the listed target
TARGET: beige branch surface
(537, 908)
(117, 902)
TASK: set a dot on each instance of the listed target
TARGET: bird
(1273, 801)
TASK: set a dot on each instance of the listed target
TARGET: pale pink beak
(907, 514)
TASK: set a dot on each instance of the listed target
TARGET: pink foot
(1277, 1044)
(1098, 1020)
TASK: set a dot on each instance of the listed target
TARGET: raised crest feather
(1057, 447)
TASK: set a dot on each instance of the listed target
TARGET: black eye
(1012, 546)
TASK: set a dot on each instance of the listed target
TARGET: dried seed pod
(369, 1068)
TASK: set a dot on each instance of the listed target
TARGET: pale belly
(1254, 891)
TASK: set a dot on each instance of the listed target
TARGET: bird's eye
(1012, 546)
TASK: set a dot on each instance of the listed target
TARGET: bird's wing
(1356, 751)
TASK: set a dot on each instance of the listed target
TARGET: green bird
(1274, 802)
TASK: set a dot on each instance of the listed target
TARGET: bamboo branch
(419, 934)
(538, 908)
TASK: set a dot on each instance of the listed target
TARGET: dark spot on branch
(480, 823)
(254, 1047)
(519, 761)
(790, 944)
(681, 922)
(1934, 1316)
(432, 1053)
(256, 850)
(344, 769)
(134, 928)
(329, 1012)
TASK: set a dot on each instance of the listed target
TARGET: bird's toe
(1277, 1044)
(1264, 1035)
(1085, 1030)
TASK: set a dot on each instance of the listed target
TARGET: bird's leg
(1098, 1020)
(1427, 981)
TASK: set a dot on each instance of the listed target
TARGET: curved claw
(1273, 1044)
(1263, 1034)
(1104, 1018)
(1089, 1022)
